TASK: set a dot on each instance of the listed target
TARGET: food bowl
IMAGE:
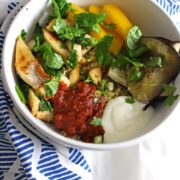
(144, 13)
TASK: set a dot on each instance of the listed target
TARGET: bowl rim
(60, 138)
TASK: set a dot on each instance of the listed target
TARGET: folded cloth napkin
(26, 154)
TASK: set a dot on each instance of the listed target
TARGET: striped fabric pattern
(11, 6)
(170, 6)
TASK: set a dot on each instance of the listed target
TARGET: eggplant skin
(150, 86)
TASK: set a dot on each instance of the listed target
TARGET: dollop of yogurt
(122, 120)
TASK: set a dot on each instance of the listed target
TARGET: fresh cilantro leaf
(45, 106)
(110, 26)
(63, 46)
(169, 101)
(96, 121)
(88, 79)
(52, 72)
(103, 87)
(72, 59)
(141, 49)
(38, 36)
(130, 100)
(101, 51)
(85, 42)
(137, 64)
(51, 86)
(51, 59)
(67, 32)
(89, 21)
(169, 90)
(20, 94)
(23, 34)
(54, 61)
(121, 62)
(61, 8)
(135, 74)
(155, 62)
(133, 37)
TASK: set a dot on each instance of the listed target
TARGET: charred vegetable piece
(150, 86)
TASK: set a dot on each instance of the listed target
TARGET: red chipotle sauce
(74, 109)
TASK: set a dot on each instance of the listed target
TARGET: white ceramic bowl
(144, 13)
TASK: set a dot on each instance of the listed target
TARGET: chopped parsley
(101, 51)
(135, 74)
(155, 62)
(67, 32)
(51, 86)
(103, 87)
(130, 100)
(169, 90)
(61, 8)
(133, 37)
(72, 59)
(110, 26)
(51, 59)
(45, 106)
(88, 79)
(23, 34)
(89, 21)
(96, 121)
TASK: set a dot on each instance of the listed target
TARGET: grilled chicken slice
(27, 66)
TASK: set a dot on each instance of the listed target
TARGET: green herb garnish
(72, 59)
(23, 34)
(89, 21)
(88, 79)
(101, 51)
(110, 26)
(135, 74)
(45, 106)
(155, 62)
(51, 86)
(133, 37)
(67, 32)
(103, 87)
(130, 100)
(169, 90)
(20, 94)
(96, 121)
(51, 59)
(61, 8)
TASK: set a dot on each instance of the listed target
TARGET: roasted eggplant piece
(150, 86)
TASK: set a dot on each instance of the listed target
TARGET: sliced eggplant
(150, 86)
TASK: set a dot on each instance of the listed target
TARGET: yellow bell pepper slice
(116, 15)
(94, 9)
(116, 44)
(117, 41)
(75, 9)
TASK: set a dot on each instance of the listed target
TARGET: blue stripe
(48, 159)
(48, 164)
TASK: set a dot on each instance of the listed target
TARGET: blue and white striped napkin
(25, 154)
